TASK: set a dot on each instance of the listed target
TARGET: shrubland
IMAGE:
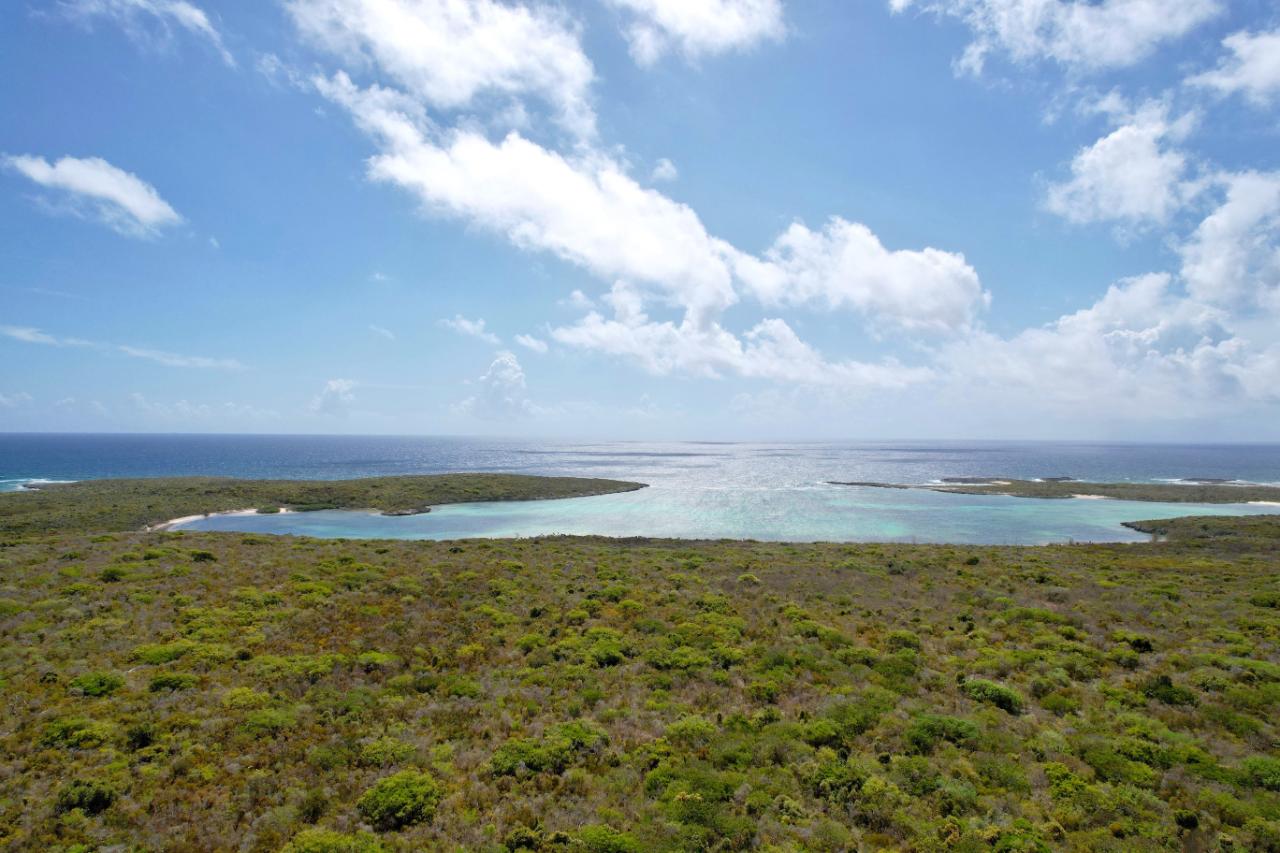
(201, 691)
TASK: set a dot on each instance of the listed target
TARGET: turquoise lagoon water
(828, 513)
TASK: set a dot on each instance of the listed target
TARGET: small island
(1186, 491)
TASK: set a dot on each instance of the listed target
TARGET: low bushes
(401, 800)
(1004, 698)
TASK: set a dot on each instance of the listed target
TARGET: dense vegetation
(133, 504)
(1200, 493)
(184, 691)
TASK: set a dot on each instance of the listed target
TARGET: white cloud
(530, 342)
(770, 350)
(1233, 258)
(1259, 374)
(1253, 69)
(1084, 35)
(335, 398)
(13, 401)
(1141, 349)
(588, 211)
(846, 265)
(30, 335)
(585, 210)
(501, 394)
(664, 171)
(164, 14)
(169, 359)
(699, 27)
(448, 53)
(381, 332)
(472, 328)
(1130, 175)
(120, 199)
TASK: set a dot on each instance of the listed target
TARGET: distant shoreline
(1064, 488)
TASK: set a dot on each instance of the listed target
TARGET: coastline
(166, 526)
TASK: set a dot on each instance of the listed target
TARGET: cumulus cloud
(30, 335)
(587, 210)
(335, 398)
(698, 27)
(1233, 258)
(530, 342)
(1252, 69)
(162, 15)
(471, 328)
(770, 350)
(121, 200)
(1131, 175)
(585, 207)
(1140, 348)
(501, 392)
(448, 53)
(1080, 34)
(846, 266)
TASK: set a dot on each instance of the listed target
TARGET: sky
(642, 219)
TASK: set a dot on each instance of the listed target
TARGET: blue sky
(642, 218)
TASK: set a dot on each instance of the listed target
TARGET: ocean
(738, 490)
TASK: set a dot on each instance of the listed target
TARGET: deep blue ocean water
(773, 490)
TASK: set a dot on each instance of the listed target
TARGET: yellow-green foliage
(585, 694)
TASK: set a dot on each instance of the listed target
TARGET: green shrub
(377, 661)
(139, 736)
(837, 781)
(385, 751)
(328, 841)
(90, 796)
(551, 753)
(97, 683)
(401, 800)
(268, 722)
(902, 640)
(927, 730)
(1262, 771)
(173, 681)
(604, 839)
(1268, 599)
(75, 733)
(691, 732)
(1162, 689)
(1060, 703)
(1004, 698)
(158, 653)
